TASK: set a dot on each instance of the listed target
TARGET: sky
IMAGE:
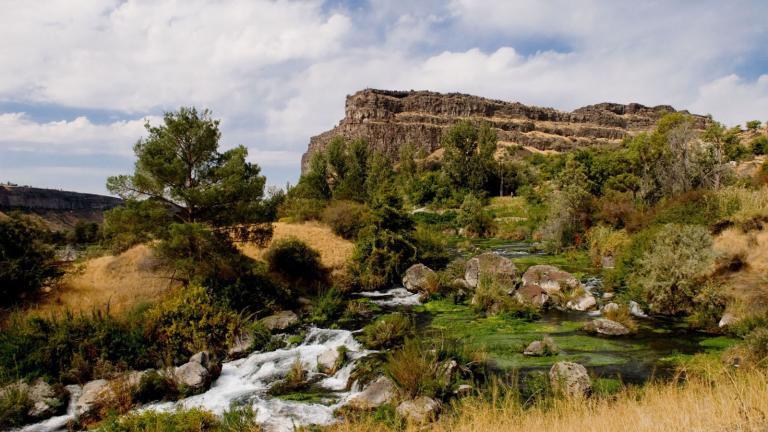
(80, 78)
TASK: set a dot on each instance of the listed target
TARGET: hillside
(389, 119)
(58, 209)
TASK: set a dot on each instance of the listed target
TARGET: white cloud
(276, 72)
(21, 133)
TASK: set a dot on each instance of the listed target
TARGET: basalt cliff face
(59, 209)
(389, 119)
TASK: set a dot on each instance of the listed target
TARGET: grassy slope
(723, 402)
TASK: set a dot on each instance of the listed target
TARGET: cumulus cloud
(276, 72)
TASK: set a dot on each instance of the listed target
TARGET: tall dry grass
(120, 281)
(750, 203)
(334, 250)
(726, 402)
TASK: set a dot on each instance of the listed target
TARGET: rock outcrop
(389, 119)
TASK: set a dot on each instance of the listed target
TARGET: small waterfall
(246, 382)
(58, 423)
(393, 297)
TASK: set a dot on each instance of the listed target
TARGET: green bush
(182, 420)
(260, 335)
(302, 209)
(326, 306)
(387, 331)
(155, 386)
(191, 322)
(26, 261)
(346, 218)
(133, 223)
(759, 145)
(295, 262)
(71, 347)
(474, 219)
(14, 405)
(669, 272)
(753, 124)
(252, 289)
(431, 248)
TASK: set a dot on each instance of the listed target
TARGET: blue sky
(78, 79)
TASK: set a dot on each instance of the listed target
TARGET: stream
(632, 359)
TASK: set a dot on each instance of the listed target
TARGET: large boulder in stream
(330, 360)
(195, 375)
(532, 295)
(418, 277)
(420, 410)
(570, 379)
(606, 327)
(281, 320)
(549, 278)
(379, 392)
(490, 265)
(582, 303)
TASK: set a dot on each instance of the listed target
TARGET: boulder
(550, 278)
(44, 399)
(583, 303)
(192, 375)
(570, 379)
(727, 319)
(241, 346)
(329, 361)
(532, 295)
(606, 327)
(541, 348)
(491, 265)
(202, 358)
(376, 394)
(91, 395)
(611, 307)
(281, 320)
(420, 410)
(418, 277)
(636, 310)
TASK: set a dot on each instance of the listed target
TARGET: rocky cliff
(59, 209)
(388, 119)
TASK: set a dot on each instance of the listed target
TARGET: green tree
(669, 273)
(468, 160)
(26, 260)
(209, 197)
(754, 124)
(473, 217)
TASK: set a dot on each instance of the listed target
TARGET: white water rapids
(246, 381)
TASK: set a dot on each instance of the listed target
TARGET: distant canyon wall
(388, 120)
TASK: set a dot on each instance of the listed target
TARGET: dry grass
(748, 285)
(727, 402)
(334, 250)
(121, 281)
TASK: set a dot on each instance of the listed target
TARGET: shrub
(326, 306)
(260, 335)
(753, 124)
(14, 405)
(191, 322)
(252, 290)
(133, 223)
(182, 420)
(387, 331)
(709, 305)
(605, 241)
(295, 380)
(760, 145)
(670, 270)
(26, 261)
(155, 386)
(416, 371)
(239, 419)
(622, 316)
(431, 248)
(756, 345)
(295, 262)
(301, 209)
(474, 219)
(346, 218)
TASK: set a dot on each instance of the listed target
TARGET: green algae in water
(718, 343)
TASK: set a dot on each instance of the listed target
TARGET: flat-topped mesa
(388, 119)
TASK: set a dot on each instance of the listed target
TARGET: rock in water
(606, 327)
(92, 393)
(281, 320)
(420, 410)
(202, 358)
(490, 265)
(192, 375)
(550, 278)
(329, 361)
(583, 303)
(636, 310)
(570, 379)
(376, 394)
(417, 278)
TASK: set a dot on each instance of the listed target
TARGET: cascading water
(393, 297)
(58, 423)
(246, 382)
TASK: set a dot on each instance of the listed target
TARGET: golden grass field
(730, 402)
(120, 281)
(334, 250)
(134, 276)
